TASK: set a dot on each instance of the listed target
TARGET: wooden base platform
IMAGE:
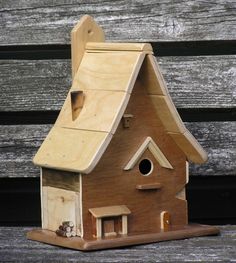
(192, 230)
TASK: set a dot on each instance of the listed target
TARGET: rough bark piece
(43, 22)
(28, 85)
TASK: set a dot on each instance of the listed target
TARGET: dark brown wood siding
(108, 184)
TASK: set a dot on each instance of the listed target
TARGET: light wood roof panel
(116, 71)
(72, 149)
(102, 111)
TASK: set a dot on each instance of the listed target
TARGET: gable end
(154, 149)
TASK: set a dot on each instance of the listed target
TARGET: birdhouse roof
(96, 102)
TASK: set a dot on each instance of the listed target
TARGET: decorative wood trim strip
(181, 194)
(44, 207)
(118, 46)
(190, 146)
(153, 186)
(81, 205)
(187, 172)
(124, 225)
(99, 227)
(41, 196)
(154, 149)
(107, 211)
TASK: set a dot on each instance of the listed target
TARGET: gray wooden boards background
(193, 82)
(203, 249)
(20, 142)
(47, 22)
(196, 82)
(195, 45)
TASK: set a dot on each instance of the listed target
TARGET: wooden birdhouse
(115, 164)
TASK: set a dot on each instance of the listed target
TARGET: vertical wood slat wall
(194, 42)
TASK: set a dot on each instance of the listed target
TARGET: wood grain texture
(19, 143)
(109, 46)
(109, 173)
(34, 85)
(14, 245)
(63, 180)
(44, 22)
(62, 149)
(50, 237)
(109, 211)
(59, 205)
(113, 71)
(96, 114)
(85, 30)
(219, 141)
(43, 85)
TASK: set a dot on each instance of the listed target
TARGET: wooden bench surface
(16, 248)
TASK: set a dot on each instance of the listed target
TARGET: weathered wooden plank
(19, 143)
(34, 85)
(198, 82)
(202, 82)
(219, 140)
(44, 22)
(15, 246)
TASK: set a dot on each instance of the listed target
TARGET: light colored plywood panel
(72, 150)
(96, 113)
(189, 145)
(86, 30)
(61, 206)
(44, 203)
(105, 46)
(124, 225)
(115, 71)
(151, 77)
(168, 114)
(187, 172)
(98, 227)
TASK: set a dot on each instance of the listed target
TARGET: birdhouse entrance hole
(145, 167)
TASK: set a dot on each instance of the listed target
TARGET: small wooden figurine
(115, 164)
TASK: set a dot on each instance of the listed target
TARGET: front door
(111, 226)
(165, 221)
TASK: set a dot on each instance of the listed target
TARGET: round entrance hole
(145, 167)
